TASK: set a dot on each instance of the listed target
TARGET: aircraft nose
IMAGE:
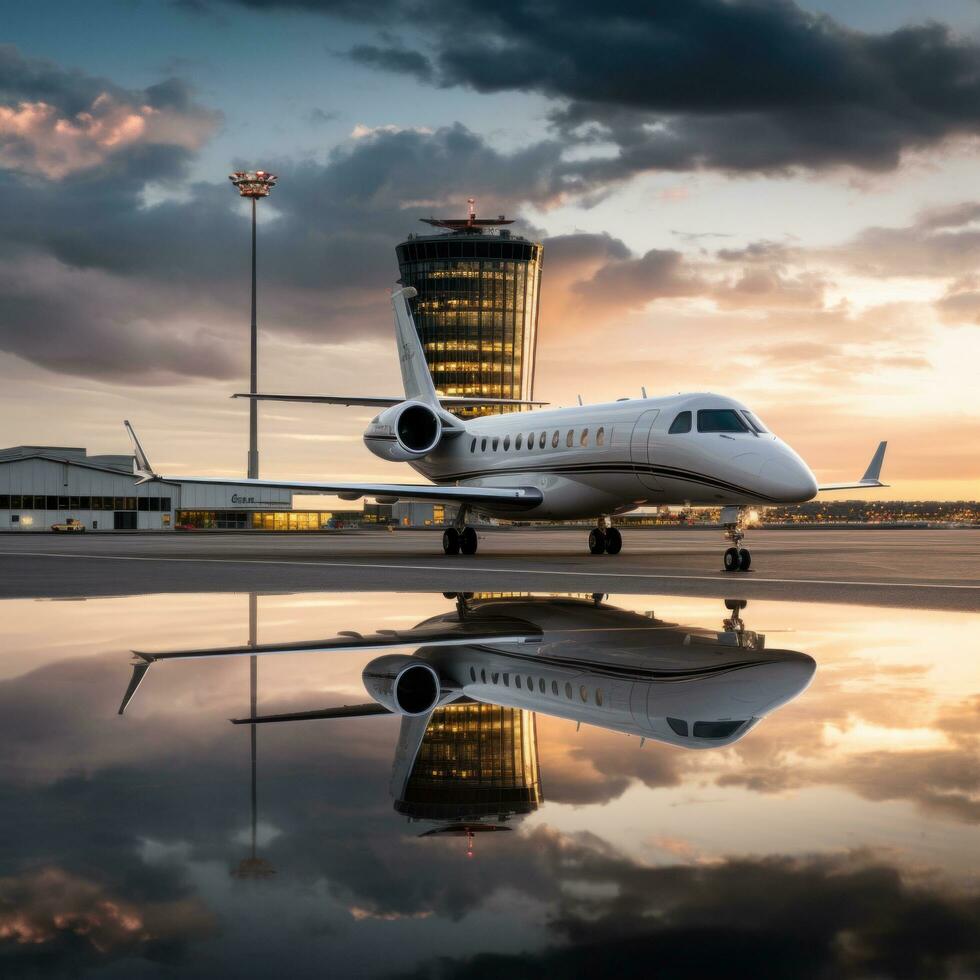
(778, 681)
(788, 478)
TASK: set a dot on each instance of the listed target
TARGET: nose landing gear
(460, 537)
(737, 558)
(605, 539)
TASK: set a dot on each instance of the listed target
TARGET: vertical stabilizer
(411, 358)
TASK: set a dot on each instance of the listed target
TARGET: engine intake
(404, 685)
(404, 432)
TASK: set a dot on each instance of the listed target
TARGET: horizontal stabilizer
(871, 476)
(384, 401)
(343, 711)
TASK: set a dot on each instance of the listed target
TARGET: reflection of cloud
(50, 916)
(848, 916)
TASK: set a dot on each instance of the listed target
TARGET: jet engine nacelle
(404, 685)
(404, 432)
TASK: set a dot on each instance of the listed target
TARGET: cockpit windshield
(716, 729)
(721, 420)
(753, 421)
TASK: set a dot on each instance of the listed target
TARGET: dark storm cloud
(400, 60)
(755, 86)
(849, 916)
(100, 283)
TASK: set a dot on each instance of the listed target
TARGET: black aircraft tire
(597, 541)
(614, 541)
(468, 541)
(744, 560)
(450, 541)
(731, 560)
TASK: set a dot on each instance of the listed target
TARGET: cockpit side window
(716, 729)
(677, 725)
(720, 420)
(753, 421)
(681, 424)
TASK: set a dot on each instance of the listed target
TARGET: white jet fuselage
(611, 458)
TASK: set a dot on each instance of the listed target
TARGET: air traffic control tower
(477, 305)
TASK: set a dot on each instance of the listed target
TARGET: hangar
(45, 485)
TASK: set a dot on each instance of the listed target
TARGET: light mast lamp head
(253, 184)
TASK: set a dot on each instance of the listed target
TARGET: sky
(763, 199)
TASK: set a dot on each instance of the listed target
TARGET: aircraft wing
(509, 498)
(441, 635)
(384, 401)
(871, 474)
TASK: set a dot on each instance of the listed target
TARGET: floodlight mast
(253, 185)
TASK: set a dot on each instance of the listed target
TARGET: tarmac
(930, 569)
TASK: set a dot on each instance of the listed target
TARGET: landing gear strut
(737, 558)
(604, 538)
(460, 537)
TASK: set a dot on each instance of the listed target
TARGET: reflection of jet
(572, 658)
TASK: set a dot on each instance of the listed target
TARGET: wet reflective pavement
(487, 784)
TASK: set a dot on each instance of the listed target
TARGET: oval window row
(583, 439)
(520, 680)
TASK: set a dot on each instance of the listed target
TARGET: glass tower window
(476, 312)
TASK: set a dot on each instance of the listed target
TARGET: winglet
(140, 667)
(871, 478)
(873, 473)
(141, 465)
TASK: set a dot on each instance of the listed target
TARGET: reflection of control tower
(477, 764)
(477, 305)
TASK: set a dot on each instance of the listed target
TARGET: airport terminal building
(45, 485)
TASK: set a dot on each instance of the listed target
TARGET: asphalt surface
(915, 568)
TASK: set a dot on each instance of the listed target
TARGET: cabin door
(639, 449)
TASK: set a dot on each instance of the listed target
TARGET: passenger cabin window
(530, 440)
(753, 421)
(506, 443)
(568, 691)
(519, 441)
(598, 697)
(554, 688)
(720, 420)
(496, 443)
(716, 729)
(584, 438)
(600, 436)
(583, 693)
(472, 675)
(473, 446)
(517, 680)
(570, 439)
(542, 440)
(554, 440)
(678, 726)
(681, 424)
(483, 445)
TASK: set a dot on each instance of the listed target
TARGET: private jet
(567, 464)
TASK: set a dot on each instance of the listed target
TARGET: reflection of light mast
(253, 866)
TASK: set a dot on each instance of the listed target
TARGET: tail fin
(415, 372)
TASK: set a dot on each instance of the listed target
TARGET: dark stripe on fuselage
(623, 673)
(673, 473)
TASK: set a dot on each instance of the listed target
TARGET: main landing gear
(605, 539)
(737, 558)
(459, 537)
